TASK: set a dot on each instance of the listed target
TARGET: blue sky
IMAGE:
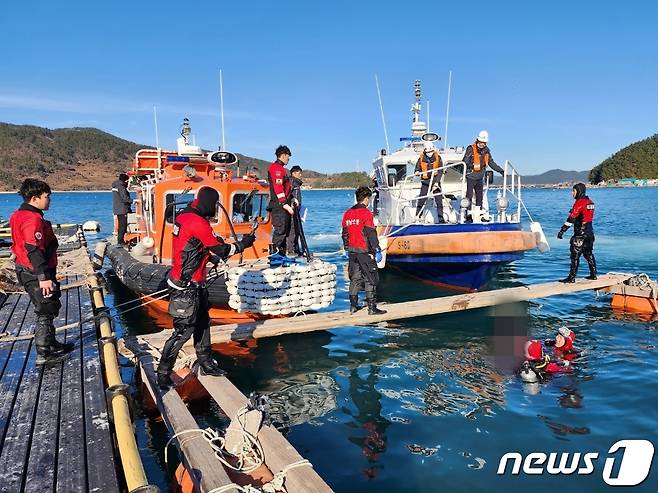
(557, 84)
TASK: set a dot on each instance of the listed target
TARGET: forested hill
(90, 159)
(638, 160)
(68, 158)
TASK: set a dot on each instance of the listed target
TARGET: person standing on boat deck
(292, 240)
(582, 241)
(476, 158)
(121, 203)
(194, 244)
(428, 167)
(362, 245)
(280, 198)
(35, 246)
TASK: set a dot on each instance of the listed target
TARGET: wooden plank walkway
(207, 472)
(54, 428)
(395, 311)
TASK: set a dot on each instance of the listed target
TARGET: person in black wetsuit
(582, 241)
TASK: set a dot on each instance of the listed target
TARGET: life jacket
(477, 163)
(436, 164)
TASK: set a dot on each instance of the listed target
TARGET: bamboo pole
(133, 468)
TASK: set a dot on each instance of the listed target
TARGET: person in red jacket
(194, 245)
(582, 241)
(35, 246)
(280, 199)
(563, 344)
(362, 245)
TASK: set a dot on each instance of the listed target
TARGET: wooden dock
(394, 311)
(206, 472)
(54, 427)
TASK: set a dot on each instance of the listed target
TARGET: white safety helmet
(483, 136)
(429, 148)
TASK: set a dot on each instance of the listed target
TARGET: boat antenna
(445, 135)
(381, 110)
(221, 107)
(155, 120)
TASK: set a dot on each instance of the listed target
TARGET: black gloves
(563, 230)
(245, 242)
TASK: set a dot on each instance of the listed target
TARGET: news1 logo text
(634, 456)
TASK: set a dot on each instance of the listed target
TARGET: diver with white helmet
(476, 158)
(428, 168)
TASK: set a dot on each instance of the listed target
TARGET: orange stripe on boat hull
(462, 243)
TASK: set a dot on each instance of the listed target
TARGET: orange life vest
(423, 164)
(476, 158)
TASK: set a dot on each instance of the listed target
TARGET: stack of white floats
(283, 290)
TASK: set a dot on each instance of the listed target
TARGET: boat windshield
(182, 200)
(249, 206)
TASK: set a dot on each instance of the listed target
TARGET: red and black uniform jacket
(280, 187)
(359, 233)
(581, 216)
(193, 243)
(33, 241)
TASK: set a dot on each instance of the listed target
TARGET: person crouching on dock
(35, 246)
(194, 244)
(361, 243)
(582, 241)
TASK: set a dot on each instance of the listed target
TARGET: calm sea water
(429, 404)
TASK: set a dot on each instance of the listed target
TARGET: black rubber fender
(147, 278)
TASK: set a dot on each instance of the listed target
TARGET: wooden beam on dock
(394, 311)
(196, 454)
(278, 452)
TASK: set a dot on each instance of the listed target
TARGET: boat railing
(400, 200)
(511, 187)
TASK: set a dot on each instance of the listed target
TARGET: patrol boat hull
(455, 256)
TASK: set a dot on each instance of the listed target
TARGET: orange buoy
(634, 304)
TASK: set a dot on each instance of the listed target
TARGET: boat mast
(445, 135)
(381, 110)
(418, 127)
(155, 120)
(221, 107)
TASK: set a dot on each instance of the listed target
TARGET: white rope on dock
(276, 484)
(250, 456)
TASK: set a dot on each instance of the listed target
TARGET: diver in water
(537, 366)
(582, 241)
(562, 344)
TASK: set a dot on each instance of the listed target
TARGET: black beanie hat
(580, 189)
(207, 201)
